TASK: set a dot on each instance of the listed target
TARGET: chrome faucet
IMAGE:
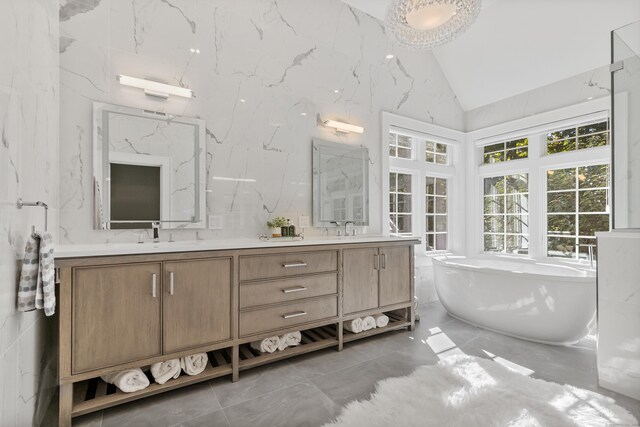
(590, 253)
(338, 224)
(156, 231)
(345, 227)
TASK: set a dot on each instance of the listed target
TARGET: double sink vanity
(131, 305)
(124, 306)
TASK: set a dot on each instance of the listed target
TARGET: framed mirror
(148, 167)
(340, 184)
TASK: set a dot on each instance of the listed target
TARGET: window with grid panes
(436, 214)
(506, 151)
(400, 146)
(506, 214)
(577, 208)
(578, 137)
(435, 152)
(400, 215)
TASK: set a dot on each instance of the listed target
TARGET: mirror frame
(315, 194)
(101, 110)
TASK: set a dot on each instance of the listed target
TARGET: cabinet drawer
(287, 264)
(283, 290)
(287, 315)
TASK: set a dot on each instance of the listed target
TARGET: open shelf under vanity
(94, 394)
(396, 322)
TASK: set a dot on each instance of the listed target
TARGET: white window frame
(419, 169)
(536, 165)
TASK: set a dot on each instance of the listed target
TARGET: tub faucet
(590, 253)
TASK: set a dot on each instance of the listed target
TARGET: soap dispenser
(292, 229)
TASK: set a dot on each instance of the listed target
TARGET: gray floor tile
(297, 406)
(256, 382)
(214, 419)
(165, 409)
(327, 361)
(432, 314)
(90, 420)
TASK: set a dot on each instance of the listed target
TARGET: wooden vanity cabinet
(376, 277)
(116, 315)
(196, 303)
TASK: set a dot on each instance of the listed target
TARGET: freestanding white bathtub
(528, 299)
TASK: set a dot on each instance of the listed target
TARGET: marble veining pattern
(268, 73)
(28, 169)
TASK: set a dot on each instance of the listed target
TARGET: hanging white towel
(128, 381)
(37, 278)
(164, 371)
(368, 323)
(267, 345)
(382, 320)
(194, 364)
(354, 325)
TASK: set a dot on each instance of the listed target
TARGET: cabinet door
(360, 279)
(395, 275)
(197, 307)
(116, 315)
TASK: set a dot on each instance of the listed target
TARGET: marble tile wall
(28, 169)
(267, 72)
(592, 84)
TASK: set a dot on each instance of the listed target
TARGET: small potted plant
(275, 226)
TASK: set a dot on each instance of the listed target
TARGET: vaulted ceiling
(519, 45)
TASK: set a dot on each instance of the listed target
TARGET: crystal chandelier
(423, 24)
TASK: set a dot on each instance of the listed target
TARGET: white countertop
(108, 249)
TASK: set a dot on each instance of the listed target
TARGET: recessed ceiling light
(303, 114)
(590, 98)
(336, 91)
(243, 100)
(194, 50)
(389, 56)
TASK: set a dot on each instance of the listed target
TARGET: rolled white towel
(194, 364)
(354, 325)
(289, 339)
(128, 381)
(164, 371)
(382, 320)
(368, 323)
(267, 345)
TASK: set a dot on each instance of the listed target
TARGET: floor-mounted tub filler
(527, 299)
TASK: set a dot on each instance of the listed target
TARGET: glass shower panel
(625, 83)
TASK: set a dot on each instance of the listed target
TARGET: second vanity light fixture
(343, 127)
(157, 89)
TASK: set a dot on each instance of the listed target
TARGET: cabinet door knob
(154, 280)
(295, 264)
(296, 314)
(171, 283)
(296, 289)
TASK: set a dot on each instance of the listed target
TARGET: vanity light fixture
(343, 127)
(157, 89)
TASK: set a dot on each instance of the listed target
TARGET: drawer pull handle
(153, 285)
(171, 283)
(292, 315)
(295, 264)
(296, 289)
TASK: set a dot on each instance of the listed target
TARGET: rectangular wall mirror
(148, 167)
(340, 184)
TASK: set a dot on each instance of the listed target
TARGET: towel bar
(21, 203)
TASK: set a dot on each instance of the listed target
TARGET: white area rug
(469, 391)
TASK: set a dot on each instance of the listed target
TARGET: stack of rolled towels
(132, 380)
(361, 324)
(277, 342)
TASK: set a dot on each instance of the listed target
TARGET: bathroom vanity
(125, 306)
